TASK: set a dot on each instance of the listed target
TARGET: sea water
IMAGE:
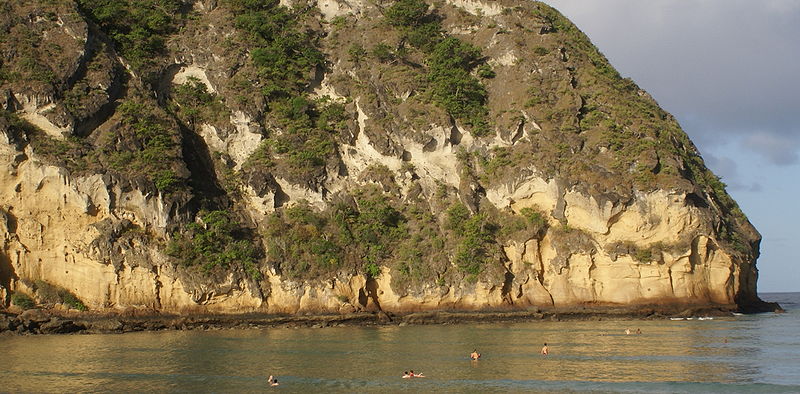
(749, 353)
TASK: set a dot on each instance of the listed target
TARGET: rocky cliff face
(331, 155)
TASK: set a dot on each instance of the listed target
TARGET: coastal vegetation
(215, 241)
(356, 236)
(139, 28)
(450, 63)
(146, 145)
(49, 293)
(193, 103)
(22, 300)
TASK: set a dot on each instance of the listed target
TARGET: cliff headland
(367, 160)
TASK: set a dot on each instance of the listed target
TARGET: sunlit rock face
(535, 177)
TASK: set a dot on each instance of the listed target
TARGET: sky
(729, 71)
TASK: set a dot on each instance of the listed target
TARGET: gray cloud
(725, 167)
(723, 67)
(778, 149)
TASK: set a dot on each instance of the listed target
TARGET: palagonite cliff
(345, 155)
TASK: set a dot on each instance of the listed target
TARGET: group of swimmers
(475, 355)
(410, 374)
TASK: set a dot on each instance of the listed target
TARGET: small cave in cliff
(203, 179)
(694, 200)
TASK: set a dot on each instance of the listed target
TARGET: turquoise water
(759, 353)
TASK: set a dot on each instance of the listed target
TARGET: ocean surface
(753, 353)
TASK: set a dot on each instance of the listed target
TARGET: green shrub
(471, 253)
(307, 142)
(298, 243)
(52, 294)
(473, 234)
(424, 36)
(166, 181)
(283, 54)
(358, 237)
(22, 300)
(450, 63)
(382, 52)
(139, 28)
(643, 255)
(535, 219)
(500, 159)
(194, 103)
(485, 71)
(356, 52)
(456, 216)
(372, 270)
(145, 145)
(454, 88)
(406, 13)
(216, 240)
(541, 51)
(73, 302)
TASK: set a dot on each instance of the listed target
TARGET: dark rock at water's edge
(759, 306)
(39, 321)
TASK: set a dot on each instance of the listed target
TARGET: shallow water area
(744, 353)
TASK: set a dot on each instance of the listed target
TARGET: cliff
(299, 156)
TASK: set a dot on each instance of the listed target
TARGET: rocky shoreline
(43, 321)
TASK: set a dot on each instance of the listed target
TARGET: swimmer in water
(475, 355)
(415, 375)
(406, 375)
(544, 350)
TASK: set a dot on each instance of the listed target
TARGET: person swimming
(415, 375)
(272, 381)
(475, 355)
(406, 375)
(544, 350)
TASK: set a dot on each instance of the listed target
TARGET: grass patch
(22, 300)
(52, 294)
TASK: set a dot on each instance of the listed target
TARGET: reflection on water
(756, 352)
